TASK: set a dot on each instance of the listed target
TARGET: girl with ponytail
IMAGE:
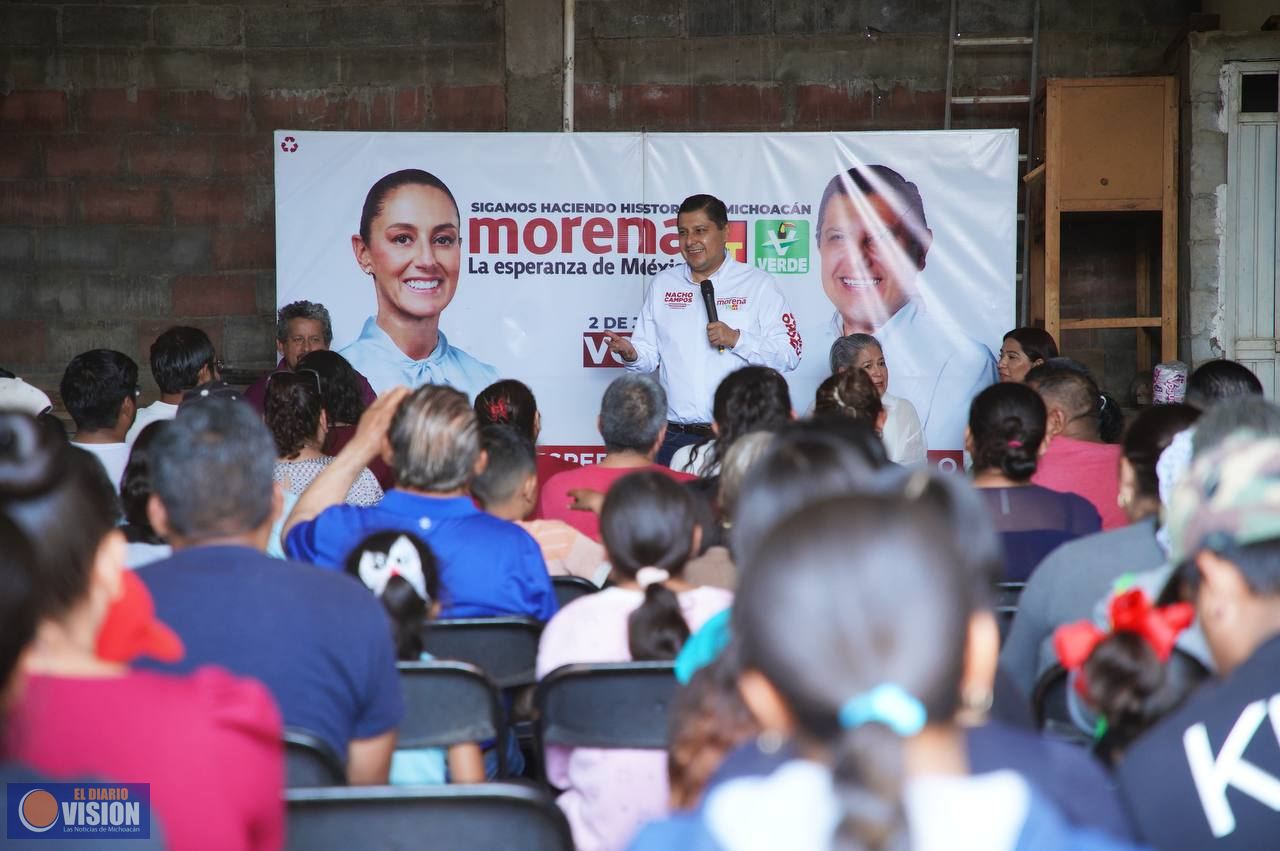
(649, 534)
(1006, 437)
(857, 667)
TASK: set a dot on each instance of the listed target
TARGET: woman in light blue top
(401, 572)
(409, 243)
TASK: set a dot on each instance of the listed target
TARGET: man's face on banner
(414, 252)
(867, 271)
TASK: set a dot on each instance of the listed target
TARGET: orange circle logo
(38, 810)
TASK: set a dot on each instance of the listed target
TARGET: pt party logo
(79, 810)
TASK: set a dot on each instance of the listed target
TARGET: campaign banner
(537, 244)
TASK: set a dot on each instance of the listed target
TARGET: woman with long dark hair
(754, 398)
(649, 534)
(1005, 437)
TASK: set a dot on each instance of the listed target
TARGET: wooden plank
(1095, 82)
(1111, 205)
(1035, 174)
(1169, 227)
(1112, 322)
(1052, 214)
(1142, 280)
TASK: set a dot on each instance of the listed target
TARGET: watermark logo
(78, 810)
(782, 246)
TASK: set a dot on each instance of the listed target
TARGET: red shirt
(1089, 469)
(209, 744)
(548, 466)
(555, 501)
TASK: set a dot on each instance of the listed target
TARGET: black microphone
(709, 299)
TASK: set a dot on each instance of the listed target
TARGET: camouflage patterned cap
(1231, 496)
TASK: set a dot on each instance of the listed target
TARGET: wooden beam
(1111, 205)
(1111, 322)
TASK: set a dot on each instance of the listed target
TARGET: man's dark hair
(632, 412)
(512, 459)
(1221, 379)
(712, 205)
(94, 386)
(303, 310)
(212, 469)
(178, 355)
(1068, 382)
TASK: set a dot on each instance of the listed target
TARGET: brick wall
(136, 162)
(135, 138)
(840, 64)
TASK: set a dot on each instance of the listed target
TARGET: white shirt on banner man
(873, 239)
(673, 335)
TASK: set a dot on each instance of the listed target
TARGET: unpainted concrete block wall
(1205, 330)
(135, 138)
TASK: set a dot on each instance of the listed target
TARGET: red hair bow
(1129, 612)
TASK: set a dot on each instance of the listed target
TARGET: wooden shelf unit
(1110, 145)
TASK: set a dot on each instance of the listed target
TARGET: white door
(1252, 232)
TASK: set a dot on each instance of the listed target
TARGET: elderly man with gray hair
(301, 327)
(431, 438)
(633, 423)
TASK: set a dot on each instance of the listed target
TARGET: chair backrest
(309, 761)
(447, 703)
(469, 817)
(1007, 596)
(606, 705)
(506, 648)
(570, 588)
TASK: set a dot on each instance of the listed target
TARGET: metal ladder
(957, 41)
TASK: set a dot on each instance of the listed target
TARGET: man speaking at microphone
(703, 319)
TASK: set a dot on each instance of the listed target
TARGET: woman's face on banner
(414, 252)
(866, 271)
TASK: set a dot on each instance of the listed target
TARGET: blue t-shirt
(488, 566)
(318, 640)
(419, 766)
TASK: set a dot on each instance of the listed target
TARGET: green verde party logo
(782, 246)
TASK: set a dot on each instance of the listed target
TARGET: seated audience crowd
(185, 583)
